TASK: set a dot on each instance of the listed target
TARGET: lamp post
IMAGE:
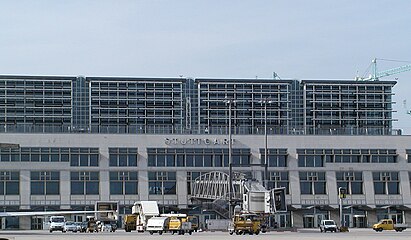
(230, 101)
(265, 101)
(162, 189)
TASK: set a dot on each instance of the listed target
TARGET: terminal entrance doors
(282, 220)
(37, 223)
(346, 220)
(396, 217)
(313, 221)
(359, 221)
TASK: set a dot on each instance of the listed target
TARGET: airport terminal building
(67, 142)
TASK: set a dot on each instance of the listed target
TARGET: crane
(375, 76)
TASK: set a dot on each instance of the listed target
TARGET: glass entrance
(359, 221)
(308, 221)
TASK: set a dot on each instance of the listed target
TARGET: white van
(157, 225)
(57, 223)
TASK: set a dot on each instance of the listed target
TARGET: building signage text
(197, 141)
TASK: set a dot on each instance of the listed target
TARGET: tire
(160, 233)
(231, 232)
(151, 232)
(257, 232)
(380, 229)
(51, 231)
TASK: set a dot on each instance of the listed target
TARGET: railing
(178, 129)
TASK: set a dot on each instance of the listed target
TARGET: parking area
(308, 234)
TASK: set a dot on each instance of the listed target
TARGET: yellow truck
(246, 223)
(388, 224)
(130, 222)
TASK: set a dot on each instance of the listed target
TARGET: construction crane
(375, 75)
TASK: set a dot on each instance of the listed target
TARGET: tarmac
(300, 234)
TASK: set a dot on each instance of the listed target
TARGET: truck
(178, 223)
(157, 225)
(130, 222)
(57, 223)
(388, 224)
(143, 210)
(245, 223)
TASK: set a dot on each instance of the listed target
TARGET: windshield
(329, 222)
(69, 223)
(57, 220)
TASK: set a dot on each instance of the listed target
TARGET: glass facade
(386, 183)
(275, 157)
(313, 183)
(122, 157)
(185, 106)
(85, 183)
(162, 183)
(352, 181)
(124, 183)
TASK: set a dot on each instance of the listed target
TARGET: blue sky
(296, 38)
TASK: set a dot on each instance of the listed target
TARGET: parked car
(83, 226)
(70, 227)
(328, 225)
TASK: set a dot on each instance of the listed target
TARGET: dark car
(83, 226)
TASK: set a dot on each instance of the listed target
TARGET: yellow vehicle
(130, 222)
(246, 223)
(388, 224)
(194, 222)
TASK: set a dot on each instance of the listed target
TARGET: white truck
(144, 210)
(57, 223)
(157, 225)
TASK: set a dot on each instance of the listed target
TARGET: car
(83, 226)
(328, 225)
(70, 227)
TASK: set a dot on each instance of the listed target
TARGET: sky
(297, 39)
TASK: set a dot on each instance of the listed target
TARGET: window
(364, 155)
(408, 152)
(84, 157)
(312, 183)
(45, 183)
(9, 183)
(123, 157)
(277, 180)
(196, 157)
(386, 182)
(310, 157)
(86, 183)
(123, 183)
(162, 183)
(352, 181)
(191, 176)
(275, 157)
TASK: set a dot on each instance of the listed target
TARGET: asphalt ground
(304, 234)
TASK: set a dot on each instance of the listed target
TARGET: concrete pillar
(104, 175)
(25, 223)
(371, 218)
(297, 219)
(368, 188)
(143, 185)
(332, 188)
(182, 189)
(65, 189)
(24, 190)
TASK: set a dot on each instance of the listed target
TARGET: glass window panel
(189, 161)
(92, 187)
(170, 187)
(74, 161)
(161, 160)
(132, 160)
(151, 160)
(393, 188)
(94, 160)
(170, 160)
(12, 188)
(198, 160)
(379, 188)
(305, 187)
(52, 188)
(122, 160)
(356, 188)
(218, 161)
(208, 160)
(37, 188)
(77, 188)
(180, 160)
(116, 188)
(320, 188)
(131, 188)
(84, 160)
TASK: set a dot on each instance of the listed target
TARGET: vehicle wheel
(231, 232)
(190, 232)
(160, 232)
(321, 230)
(380, 229)
(63, 231)
(258, 232)
(51, 231)
(151, 232)
(237, 233)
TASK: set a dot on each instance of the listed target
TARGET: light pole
(230, 101)
(162, 189)
(265, 101)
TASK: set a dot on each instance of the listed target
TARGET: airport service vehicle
(328, 225)
(157, 225)
(70, 227)
(143, 210)
(246, 223)
(194, 222)
(388, 224)
(57, 223)
(130, 222)
(178, 223)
